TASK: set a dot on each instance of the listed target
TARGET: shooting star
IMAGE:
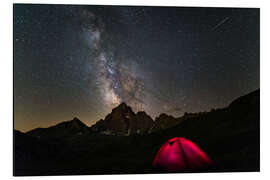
(220, 23)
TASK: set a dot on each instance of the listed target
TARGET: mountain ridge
(123, 121)
(61, 129)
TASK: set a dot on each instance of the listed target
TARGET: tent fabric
(180, 154)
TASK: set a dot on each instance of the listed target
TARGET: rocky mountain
(141, 123)
(63, 129)
(123, 121)
(164, 121)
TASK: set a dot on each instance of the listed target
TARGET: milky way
(117, 82)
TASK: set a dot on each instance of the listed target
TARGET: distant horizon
(24, 131)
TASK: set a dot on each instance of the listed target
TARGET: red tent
(179, 154)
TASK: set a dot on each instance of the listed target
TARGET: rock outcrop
(123, 121)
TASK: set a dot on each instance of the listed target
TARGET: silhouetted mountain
(140, 123)
(123, 121)
(247, 106)
(164, 121)
(63, 129)
(230, 136)
(117, 122)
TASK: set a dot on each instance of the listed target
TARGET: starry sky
(74, 60)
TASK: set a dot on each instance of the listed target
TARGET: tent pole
(183, 153)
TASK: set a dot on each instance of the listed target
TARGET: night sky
(85, 60)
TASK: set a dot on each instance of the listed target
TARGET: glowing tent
(179, 154)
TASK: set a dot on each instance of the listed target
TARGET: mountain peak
(123, 106)
(122, 120)
(164, 121)
(75, 119)
(74, 123)
(123, 110)
(62, 129)
(141, 113)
